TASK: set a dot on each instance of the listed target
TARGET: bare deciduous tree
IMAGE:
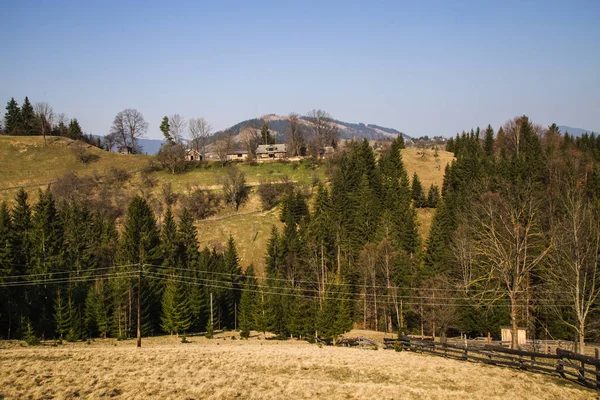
(110, 141)
(250, 137)
(128, 126)
(177, 125)
(323, 130)
(235, 190)
(574, 275)
(295, 137)
(223, 146)
(200, 131)
(509, 245)
(45, 115)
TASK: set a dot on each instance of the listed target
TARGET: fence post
(559, 367)
(597, 353)
(466, 353)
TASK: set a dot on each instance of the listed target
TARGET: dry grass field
(223, 368)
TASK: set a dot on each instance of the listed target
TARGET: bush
(270, 193)
(70, 187)
(235, 190)
(201, 204)
(118, 175)
(82, 154)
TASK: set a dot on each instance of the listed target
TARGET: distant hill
(574, 131)
(279, 125)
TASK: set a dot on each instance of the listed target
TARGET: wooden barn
(506, 333)
(237, 155)
(193, 155)
(271, 152)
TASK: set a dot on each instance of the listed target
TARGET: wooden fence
(576, 367)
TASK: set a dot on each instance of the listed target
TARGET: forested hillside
(514, 240)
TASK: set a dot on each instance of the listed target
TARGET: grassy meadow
(223, 368)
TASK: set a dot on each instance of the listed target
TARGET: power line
(68, 280)
(316, 283)
(64, 272)
(187, 280)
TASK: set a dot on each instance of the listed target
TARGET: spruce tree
(248, 303)
(417, 192)
(62, 317)
(12, 118)
(232, 267)
(74, 131)
(488, 142)
(28, 118)
(433, 196)
(169, 241)
(9, 298)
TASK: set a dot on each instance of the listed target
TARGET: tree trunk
(581, 347)
(514, 312)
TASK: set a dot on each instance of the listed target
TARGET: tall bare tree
(250, 137)
(45, 115)
(573, 275)
(223, 146)
(110, 141)
(129, 125)
(323, 130)
(177, 125)
(509, 245)
(200, 131)
(295, 136)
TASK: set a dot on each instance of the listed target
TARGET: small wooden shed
(506, 333)
(193, 155)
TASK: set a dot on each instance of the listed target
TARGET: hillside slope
(24, 161)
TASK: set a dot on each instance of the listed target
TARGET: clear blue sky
(423, 67)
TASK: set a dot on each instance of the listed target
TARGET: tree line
(40, 119)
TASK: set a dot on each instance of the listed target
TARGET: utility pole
(211, 312)
(139, 309)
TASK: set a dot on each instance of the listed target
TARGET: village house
(193, 155)
(236, 155)
(271, 152)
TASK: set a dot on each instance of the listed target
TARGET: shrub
(81, 153)
(270, 193)
(200, 203)
(235, 190)
(118, 175)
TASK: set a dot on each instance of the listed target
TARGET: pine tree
(28, 118)
(273, 261)
(265, 135)
(12, 118)
(417, 192)
(74, 131)
(488, 142)
(433, 196)
(90, 323)
(9, 299)
(62, 316)
(165, 129)
(169, 241)
(232, 267)
(248, 303)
